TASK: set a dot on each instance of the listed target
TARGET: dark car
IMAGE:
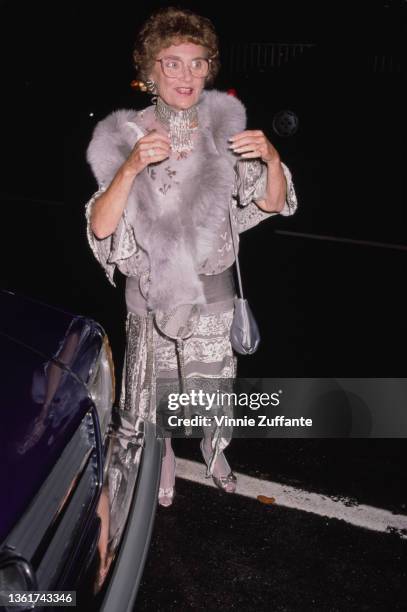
(78, 488)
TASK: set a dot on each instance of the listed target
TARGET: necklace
(181, 125)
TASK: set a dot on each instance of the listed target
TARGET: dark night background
(325, 307)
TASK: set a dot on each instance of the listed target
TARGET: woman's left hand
(253, 143)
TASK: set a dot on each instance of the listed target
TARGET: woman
(167, 176)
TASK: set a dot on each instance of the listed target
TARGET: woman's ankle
(167, 477)
(221, 467)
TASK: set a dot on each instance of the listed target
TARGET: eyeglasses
(174, 67)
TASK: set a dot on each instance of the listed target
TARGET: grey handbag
(244, 333)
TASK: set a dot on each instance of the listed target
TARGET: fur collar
(177, 226)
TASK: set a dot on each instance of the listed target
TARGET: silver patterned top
(121, 250)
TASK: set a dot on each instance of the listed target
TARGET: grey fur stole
(178, 226)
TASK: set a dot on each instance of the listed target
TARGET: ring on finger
(151, 152)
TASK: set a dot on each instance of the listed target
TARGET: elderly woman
(167, 176)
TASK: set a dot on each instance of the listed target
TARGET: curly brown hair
(171, 25)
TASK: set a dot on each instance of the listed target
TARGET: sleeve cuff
(113, 249)
(252, 185)
(290, 204)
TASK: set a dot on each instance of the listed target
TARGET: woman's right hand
(108, 207)
(140, 157)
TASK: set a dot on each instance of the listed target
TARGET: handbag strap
(235, 248)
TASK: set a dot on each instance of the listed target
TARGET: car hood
(45, 354)
(33, 323)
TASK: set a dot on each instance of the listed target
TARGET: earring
(152, 89)
(151, 86)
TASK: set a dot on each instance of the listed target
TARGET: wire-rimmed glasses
(174, 67)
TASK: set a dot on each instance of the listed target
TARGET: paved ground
(212, 551)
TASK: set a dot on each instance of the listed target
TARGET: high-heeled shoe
(166, 494)
(226, 483)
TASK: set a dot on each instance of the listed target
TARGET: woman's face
(183, 91)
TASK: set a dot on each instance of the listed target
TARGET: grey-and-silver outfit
(173, 242)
